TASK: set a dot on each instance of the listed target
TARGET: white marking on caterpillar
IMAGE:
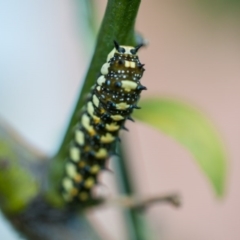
(75, 154)
(127, 63)
(111, 54)
(122, 106)
(67, 184)
(71, 169)
(132, 64)
(127, 52)
(101, 80)
(128, 85)
(104, 69)
(79, 137)
(95, 100)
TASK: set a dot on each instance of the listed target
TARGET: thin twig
(133, 202)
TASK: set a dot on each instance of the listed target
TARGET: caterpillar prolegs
(111, 102)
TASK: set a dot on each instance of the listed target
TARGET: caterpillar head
(126, 50)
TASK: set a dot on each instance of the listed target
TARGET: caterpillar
(112, 100)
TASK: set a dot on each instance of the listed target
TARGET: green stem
(135, 221)
(118, 24)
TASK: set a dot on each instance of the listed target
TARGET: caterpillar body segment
(113, 98)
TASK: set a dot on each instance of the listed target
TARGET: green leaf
(188, 126)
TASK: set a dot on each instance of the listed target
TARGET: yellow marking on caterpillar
(87, 148)
(81, 164)
(128, 85)
(75, 154)
(89, 182)
(112, 127)
(90, 110)
(107, 138)
(101, 153)
(95, 169)
(78, 178)
(74, 192)
(117, 117)
(122, 106)
(83, 196)
(102, 110)
(86, 124)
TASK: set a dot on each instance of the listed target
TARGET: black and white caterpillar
(113, 98)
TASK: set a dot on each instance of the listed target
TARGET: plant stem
(118, 24)
(135, 221)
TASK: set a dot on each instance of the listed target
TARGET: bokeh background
(193, 55)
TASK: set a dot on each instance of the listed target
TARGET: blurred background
(193, 55)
